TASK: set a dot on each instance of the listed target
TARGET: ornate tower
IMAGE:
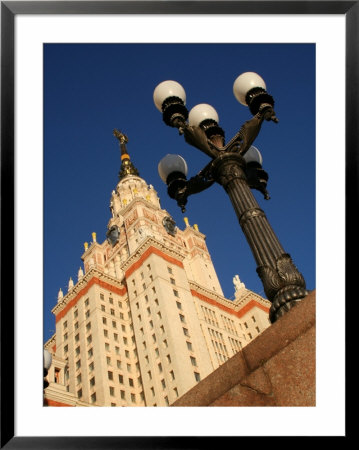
(147, 319)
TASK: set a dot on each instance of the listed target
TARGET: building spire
(127, 168)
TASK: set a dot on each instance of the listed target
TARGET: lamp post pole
(233, 167)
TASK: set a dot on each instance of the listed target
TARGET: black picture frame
(9, 9)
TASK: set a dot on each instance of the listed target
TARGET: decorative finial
(80, 274)
(86, 246)
(60, 295)
(71, 284)
(186, 221)
(127, 168)
(195, 226)
(93, 237)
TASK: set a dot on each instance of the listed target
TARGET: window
(65, 324)
(114, 324)
(253, 318)
(162, 328)
(120, 305)
(127, 354)
(257, 328)
(129, 369)
(166, 400)
(76, 313)
(91, 367)
(89, 339)
(107, 347)
(193, 361)
(118, 364)
(249, 335)
(113, 404)
(133, 398)
(149, 375)
(153, 289)
(117, 350)
(79, 393)
(159, 315)
(78, 364)
(87, 301)
(146, 298)
(245, 324)
(76, 325)
(151, 324)
(142, 276)
(165, 343)
(197, 376)
(120, 379)
(77, 337)
(122, 316)
(182, 319)
(93, 398)
(179, 305)
(163, 384)
(156, 301)
(112, 391)
(87, 314)
(112, 311)
(104, 320)
(160, 367)
(77, 351)
(148, 310)
(108, 360)
(92, 382)
(172, 375)
(88, 326)
(102, 297)
(90, 353)
(157, 352)
(111, 300)
(122, 394)
(65, 336)
(154, 338)
(168, 359)
(144, 286)
(175, 293)
(115, 336)
(153, 391)
(169, 270)
(175, 390)
(189, 346)
(125, 340)
(173, 281)
(148, 267)
(130, 382)
(105, 333)
(123, 327)
(78, 378)
(185, 332)
(103, 308)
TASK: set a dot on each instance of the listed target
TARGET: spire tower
(127, 168)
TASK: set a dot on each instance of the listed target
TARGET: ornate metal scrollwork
(284, 285)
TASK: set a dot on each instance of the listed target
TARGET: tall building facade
(146, 319)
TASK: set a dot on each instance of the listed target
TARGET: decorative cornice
(237, 308)
(147, 244)
(50, 342)
(93, 276)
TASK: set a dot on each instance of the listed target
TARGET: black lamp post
(237, 166)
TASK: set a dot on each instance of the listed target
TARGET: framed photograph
(114, 46)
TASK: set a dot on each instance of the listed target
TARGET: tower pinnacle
(127, 168)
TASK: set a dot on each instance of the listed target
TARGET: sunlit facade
(146, 319)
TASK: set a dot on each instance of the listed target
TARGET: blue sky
(90, 89)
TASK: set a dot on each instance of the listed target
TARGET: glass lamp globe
(244, 83)
(47, 359)
(167, 89)
(171, 163)
(202, 112)
(253, 155)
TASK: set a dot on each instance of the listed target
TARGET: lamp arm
(249, 131)
(203, 180)
(196, 137)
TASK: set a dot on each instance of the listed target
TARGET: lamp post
(237, 166)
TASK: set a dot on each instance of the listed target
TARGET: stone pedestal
(275, 369)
